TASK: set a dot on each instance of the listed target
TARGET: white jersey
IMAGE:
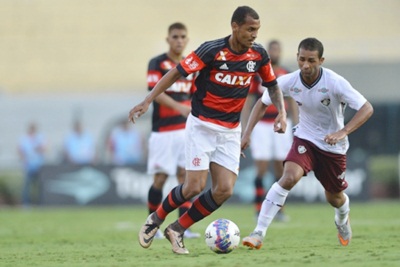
(321, 106)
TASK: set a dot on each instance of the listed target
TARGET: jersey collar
(314, 83)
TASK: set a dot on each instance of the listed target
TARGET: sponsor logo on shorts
(196, 161)
(342, 177)
(157, 167)
(301, 149)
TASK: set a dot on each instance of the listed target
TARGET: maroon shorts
(329, 168)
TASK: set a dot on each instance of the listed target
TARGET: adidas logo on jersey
(224, 67)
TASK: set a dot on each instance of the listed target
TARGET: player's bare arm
(248, 104)
(361, 116)
(166, 100)
(293, 110)
(166, 81)
(277, 99)
(256, 114)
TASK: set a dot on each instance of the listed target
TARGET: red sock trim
(152, 207)
(186, 221)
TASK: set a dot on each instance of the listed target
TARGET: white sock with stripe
(272, 203)
(342, 213)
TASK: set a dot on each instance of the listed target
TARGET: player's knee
(180, 175)
(196, 190)
(158, 184)
(192, 190)
(222, 193)
(159, 180)
(335, 199)
(288, 181)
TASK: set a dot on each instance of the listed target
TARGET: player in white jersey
(320, 139)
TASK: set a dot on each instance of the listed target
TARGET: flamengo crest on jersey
(224, 79)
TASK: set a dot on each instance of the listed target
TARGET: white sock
(342, 213)
(272, 203)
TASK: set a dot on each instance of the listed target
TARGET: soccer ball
(222, 236)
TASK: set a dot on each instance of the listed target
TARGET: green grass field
(107, 236)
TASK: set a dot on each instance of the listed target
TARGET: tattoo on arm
(276, 96)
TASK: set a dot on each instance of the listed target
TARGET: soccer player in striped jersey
(166, 156)
(320, 139)
(213, 132)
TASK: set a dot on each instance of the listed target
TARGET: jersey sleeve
(266, 72)
(154, 74)
(267, 75)
(193, 87)
(266, 99)
(283, 83)
(190, 64)
(349, 95)
(255, 83)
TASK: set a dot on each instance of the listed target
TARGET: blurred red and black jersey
(224, 79)
(165, 118)
(256, 89)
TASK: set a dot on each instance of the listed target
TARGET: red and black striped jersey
(256, 89)
(165, 118)
(224, 79)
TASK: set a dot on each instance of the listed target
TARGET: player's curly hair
(240, 14)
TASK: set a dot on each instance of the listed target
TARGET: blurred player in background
(320, 139)
(268, 146)
(167, 140)
(79, 147)
(226, 67)
(31, 149)
(125, 145)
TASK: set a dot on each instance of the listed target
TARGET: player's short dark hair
(312, 44)
(240, 14)
(176, 26)
(273, 42)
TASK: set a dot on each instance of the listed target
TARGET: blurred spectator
(31, 149)
(125, 144)
(79, 147)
